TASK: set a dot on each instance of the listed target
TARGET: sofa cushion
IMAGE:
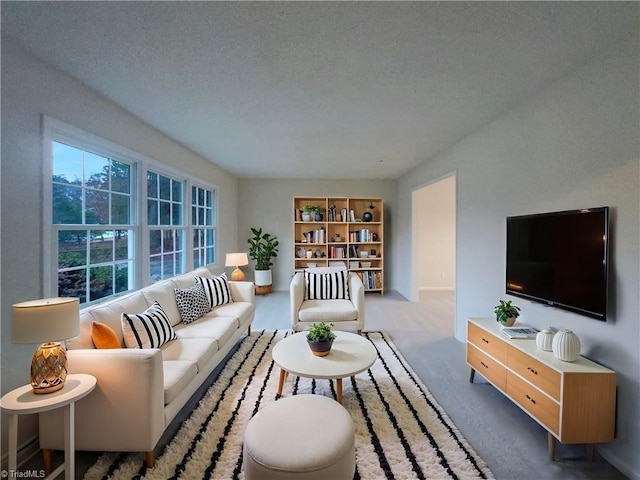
(177, 376)
(220, 329)
(192, 302)
(186, 279)
(326, 286)
(217, 289)
(196, 350)
(149, 329)
(103, 336)
(243, 311)
(164, 293)
(327, 311)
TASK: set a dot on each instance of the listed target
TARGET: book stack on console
(519, 331)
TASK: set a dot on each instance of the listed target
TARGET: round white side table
(22, 401)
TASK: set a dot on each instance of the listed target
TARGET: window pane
(165, 213)
(122, 277)
(194, 216)
(179, 239)
(210, 256)
(167, 265)
(67, 205)
(67, 164)
(197, 262)
(167, 240)
(121, 241)
(152, 212)
(100, 282)
(209, 217)
(73, 284)
(177, 263)
(119, 209)
(155, 242)
(177, 190)
(176, 214)
(72, 248)
(97, 209)
(152, 185)
(165, 188)
(155, 269)
(96, 170)
(101, 249)
(209, 199)
(201, 194)
(120, 177)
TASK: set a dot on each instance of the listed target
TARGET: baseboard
(26, 452)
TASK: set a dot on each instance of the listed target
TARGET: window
(117, 220)
(166, 229)
(202, 219)
(92, 217)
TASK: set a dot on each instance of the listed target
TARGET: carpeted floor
(401, 431)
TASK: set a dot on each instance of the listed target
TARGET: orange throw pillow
(103, 336)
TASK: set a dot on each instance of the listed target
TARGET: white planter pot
(566, 345)
(262, 277)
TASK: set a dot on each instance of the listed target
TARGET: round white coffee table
(350, 355)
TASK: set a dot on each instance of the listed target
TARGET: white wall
(434, 224)
(269, 204)
(575, 144)
(29, 89)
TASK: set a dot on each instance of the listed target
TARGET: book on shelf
(519, 331)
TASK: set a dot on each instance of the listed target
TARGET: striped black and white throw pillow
(326, 286)
(216, 289)
(149, 329)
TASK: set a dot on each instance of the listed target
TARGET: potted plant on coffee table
(263, 247)
(320, 339)
(506, 313)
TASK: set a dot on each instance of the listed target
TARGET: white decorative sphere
(566, 345)
(544, 340)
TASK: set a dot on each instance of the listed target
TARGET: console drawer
(487, 367)
(540, 375)
(487, 342)
(535, 402)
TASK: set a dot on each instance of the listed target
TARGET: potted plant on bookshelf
(263, 247)
(311, 212)
(506, 313)
(320, 339)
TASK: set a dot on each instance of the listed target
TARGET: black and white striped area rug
(401, 432)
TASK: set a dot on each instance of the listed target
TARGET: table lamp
(50, 320)
(236, 260)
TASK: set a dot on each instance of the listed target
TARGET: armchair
(347, 314)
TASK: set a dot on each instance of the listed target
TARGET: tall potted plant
(263, 247)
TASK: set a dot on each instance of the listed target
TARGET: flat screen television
(560, 259)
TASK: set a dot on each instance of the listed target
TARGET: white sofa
(139, 391)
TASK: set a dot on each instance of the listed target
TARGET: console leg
(472, 374)
(551, 445)
(590, 452)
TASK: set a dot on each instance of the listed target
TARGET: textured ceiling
(317, 89)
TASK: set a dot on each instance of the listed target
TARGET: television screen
(560, 259)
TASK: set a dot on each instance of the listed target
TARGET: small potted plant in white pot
(506, 313)
(320, 338)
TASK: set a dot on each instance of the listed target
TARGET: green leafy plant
(262, 248)
(321, 332)
(506, 310)
(312, 209)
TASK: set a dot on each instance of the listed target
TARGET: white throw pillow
(326, 286)
(216, 289)
(149, 329)
(192, 302)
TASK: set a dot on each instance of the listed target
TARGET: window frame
(54, 130)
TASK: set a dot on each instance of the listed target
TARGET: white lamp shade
(236, 260)
(47, 320)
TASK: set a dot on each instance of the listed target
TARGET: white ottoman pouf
(300, 437)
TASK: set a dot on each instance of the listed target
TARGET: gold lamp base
(49, 368)
(237, 275)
